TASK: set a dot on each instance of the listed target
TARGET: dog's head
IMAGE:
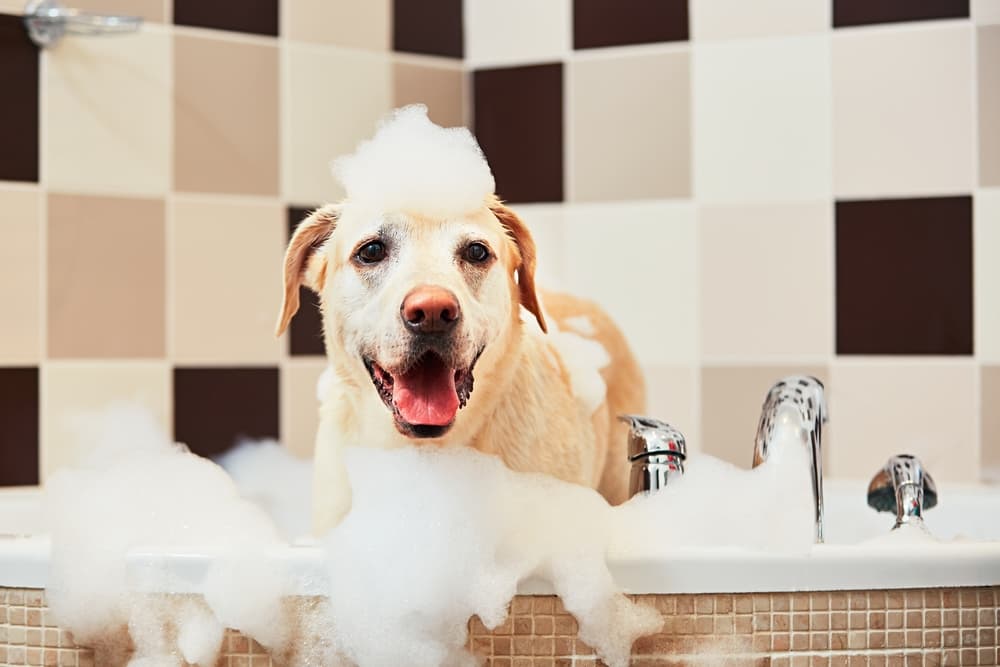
(412, 302)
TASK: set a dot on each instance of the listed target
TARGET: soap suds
(415, 166)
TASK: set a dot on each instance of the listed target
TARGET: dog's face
(411, 303)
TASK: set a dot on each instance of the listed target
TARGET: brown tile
(743, 604)
(819, 641)
(598, 23)
(876, 640)
(703, 604)
(838, 621)
(968, 656)
(106, 277)
(800, 641)
(933, 639)
(433, 27)
(506, 128)
(781, 623)
(215, 149)
(781, 642)
(19, 81)
(858, 600)
(253, 16)
(950, 639)
(214, 407)
(441, 89)
(858, 12)
(877, 599)
(887, 300)
(19, 436)
(949, 618)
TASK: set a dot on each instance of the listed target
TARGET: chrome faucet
(903, 487)
(796, 406)
(656, 451)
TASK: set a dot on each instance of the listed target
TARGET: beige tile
(903, 118)
(106, 277)
(226, 273)
(72, 389)
(150, 10)
(647, 280)
(11, 7)
(365, 25)
(731, 398)
(672, 395)
(225, 116)
(733, 19)
(106, 117)
(516, 31)
(988, 41)
(20, 266)
(441, 88)
(986, 232)
(647, 100)
(332, 99)
(883, 408)
(767, 281)
(990, 453)
(299, 405)
(985, 11)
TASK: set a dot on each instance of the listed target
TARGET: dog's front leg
(331, 487)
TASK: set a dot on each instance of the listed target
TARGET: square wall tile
(19, 62)
(988, 41)
(646, 278)
(735, 19)
(305, 333)
(333, 99)
(19, 435)
(547, 224)
(20, 288)
(672, 395)
(522, 142)
(903, 117)
(990, 454)
(361, 25)
(731, 400)
(300, 405)
(150, 10)
(71, 390)
(986, 11)
(598, 23)
(433, 27)
(877, 409)
(904, 276)
(647, 99)
(225, 116)
(216, 407)
(227, 286)
(441, 88)
(860, 12)
(987, 274)
(107, 114)
(106, 277)
(762, 130)
(253, 16)
(767, 281)
(516, 31)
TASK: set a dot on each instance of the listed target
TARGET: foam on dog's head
(415, 166)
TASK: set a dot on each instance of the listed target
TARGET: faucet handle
(648, 436)
(903, 487)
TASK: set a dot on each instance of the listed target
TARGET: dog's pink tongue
(425, 395)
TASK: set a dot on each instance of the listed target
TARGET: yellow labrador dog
(424, 333)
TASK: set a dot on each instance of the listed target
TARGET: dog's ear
(303, 266)
(526, 269)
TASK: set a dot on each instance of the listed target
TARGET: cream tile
(71, 390)
(11, 7)
(516, 31)
(731, 398)
(903, 118)
(333, 99)
(150, 10)
(731, 19)
(226, 273)
(986, 232)
(990, 458)
(364, 25)
(672, 395)
(20, 266)
(299, 405)
(763, 120)
(647, 99)
(547, 223)
(883, 408)
(106, 277)
(767, 281)
(225, 116)
(988, 45)
(106, 117)
(441, 88)
(637, 260)
(985, 11)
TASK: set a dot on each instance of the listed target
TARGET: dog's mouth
(425, 396)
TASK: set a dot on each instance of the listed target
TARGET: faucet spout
(656, 453)
(905, 487)
(795, 408)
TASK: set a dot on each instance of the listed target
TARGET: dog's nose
(430, 309)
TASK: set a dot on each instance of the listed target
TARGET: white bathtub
(967, 521)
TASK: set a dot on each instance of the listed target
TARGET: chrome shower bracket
(48, 21)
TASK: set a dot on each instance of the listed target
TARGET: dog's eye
(476, 253)
(371, 253)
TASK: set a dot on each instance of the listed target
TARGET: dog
(426, 331)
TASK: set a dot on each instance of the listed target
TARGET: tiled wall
(751, 189)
